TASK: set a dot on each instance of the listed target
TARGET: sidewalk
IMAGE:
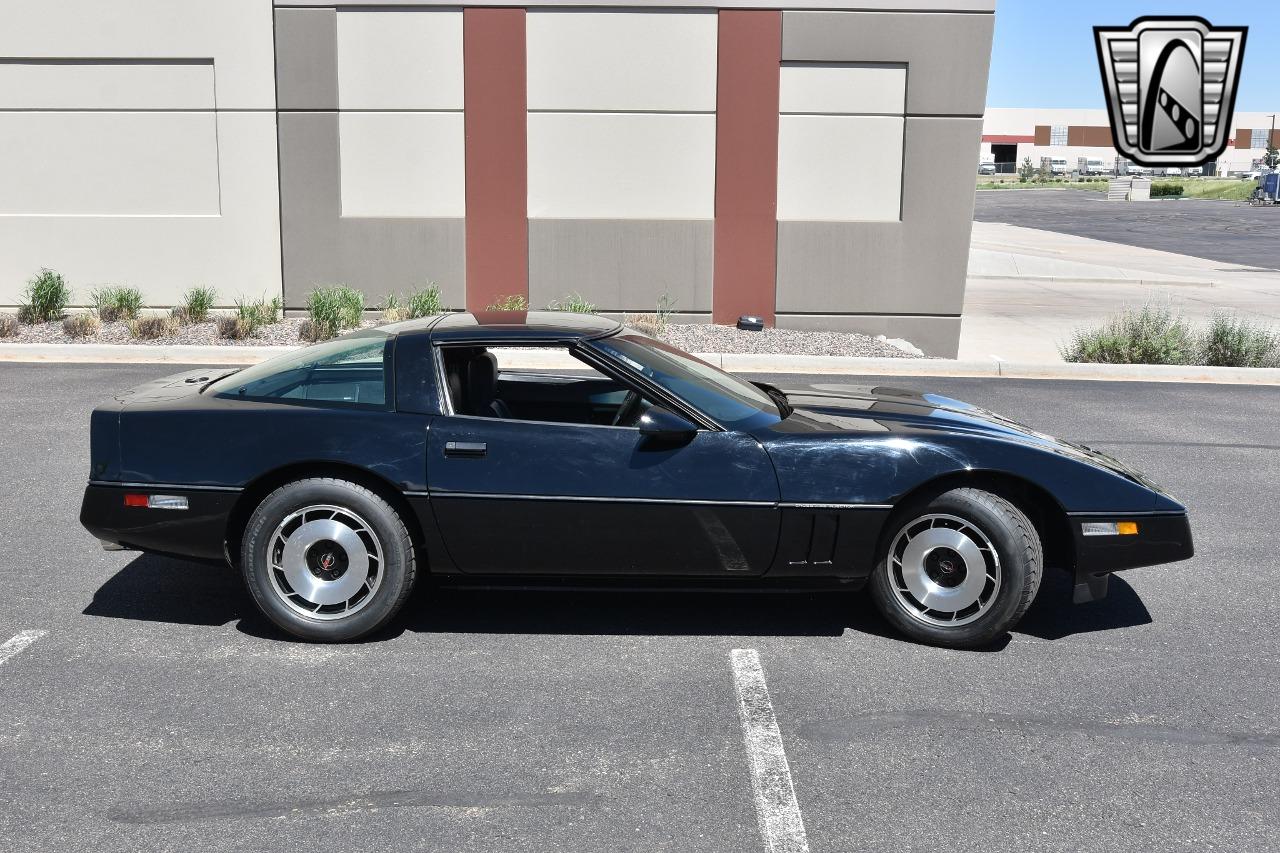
(1028, 290)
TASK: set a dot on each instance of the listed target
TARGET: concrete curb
(1074, 279)
(734, 362)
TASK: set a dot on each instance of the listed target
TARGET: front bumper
(1161, 538)
(196, 532)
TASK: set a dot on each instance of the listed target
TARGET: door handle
(466, 449)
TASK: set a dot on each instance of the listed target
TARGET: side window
(548, 384)
(351, 371)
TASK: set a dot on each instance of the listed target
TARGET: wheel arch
(259, 488)
(1037, 503)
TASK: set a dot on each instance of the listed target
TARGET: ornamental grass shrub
(514, 302)
(196, 305)
(332, 310)
(81, 325)
(1152, 334)
(1232, 341)
(153, 327)
(116, 302)
(1156, 335)
(574, 303)
(45, 297)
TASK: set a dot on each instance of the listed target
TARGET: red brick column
(746, 229)
(497, 156)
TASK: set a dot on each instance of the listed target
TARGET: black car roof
(508, 326)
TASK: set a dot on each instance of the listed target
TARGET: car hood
(171, 387)
(866, 410)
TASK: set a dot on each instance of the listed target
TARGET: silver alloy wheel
(943, 570)
(325, 562)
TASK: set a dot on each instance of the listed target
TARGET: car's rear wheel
(327, 559)
(958, 570)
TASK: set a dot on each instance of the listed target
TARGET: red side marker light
(135, 500)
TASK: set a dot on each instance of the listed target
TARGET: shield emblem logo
(1171, 88)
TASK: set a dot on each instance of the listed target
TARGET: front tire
(327, 560)
(958, 570)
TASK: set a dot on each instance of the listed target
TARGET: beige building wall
(137, 146)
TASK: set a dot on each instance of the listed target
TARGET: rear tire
(958, 570)
(327, 560)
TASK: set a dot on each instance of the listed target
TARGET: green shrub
(150, 328)
(116, 302)
(1158, 190)
(514, 302)
(9, 326)
(254, 315)
(333, 309)
(45, 297)
(81, 325)
(393, 310)
(196, 305)
(425, 302)
(654, 325)
(574, 303)
(1234, 342)
(1149, 335)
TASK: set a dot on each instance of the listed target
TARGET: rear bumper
(1161, 538)
(196, 532)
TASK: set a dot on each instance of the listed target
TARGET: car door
(515, 496)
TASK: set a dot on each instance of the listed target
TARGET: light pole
(1271, 163)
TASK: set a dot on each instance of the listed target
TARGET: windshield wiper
(219, 376)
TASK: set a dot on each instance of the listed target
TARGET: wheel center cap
(945, 567)
(327, 560)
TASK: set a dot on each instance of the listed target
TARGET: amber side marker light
(1109, 528)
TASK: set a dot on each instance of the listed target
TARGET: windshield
(350, 370)
(733, 402)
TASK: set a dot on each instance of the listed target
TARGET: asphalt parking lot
(1231, 232)
(157, 711)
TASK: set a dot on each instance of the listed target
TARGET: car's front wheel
(958, 570)
(327, 560)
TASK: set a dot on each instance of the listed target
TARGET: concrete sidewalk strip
(533, 359)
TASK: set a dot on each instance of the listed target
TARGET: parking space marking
(778, 813)
(18, 642)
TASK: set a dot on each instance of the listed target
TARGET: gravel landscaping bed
(692, 337)
(704, 337)
(282, 333)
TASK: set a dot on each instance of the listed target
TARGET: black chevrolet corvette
(334, 476)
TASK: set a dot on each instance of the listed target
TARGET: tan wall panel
(844, 89)
(109, 163)
(621, 265)
(846, 168)
(236, 36)
(916, 266)
(400, 59)
(402, 164)
(947, 54)
(621, 166)
(237, 252)
(97, 84)
(623, 60)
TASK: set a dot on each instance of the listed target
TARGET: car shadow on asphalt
(160, 589)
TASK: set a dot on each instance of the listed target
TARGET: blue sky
(1044, 54)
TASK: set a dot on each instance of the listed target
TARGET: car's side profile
(335, 476)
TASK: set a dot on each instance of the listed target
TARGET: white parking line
(18, 642)
(778, 813)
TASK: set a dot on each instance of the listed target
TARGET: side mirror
(665, 425)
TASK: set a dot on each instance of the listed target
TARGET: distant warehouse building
(1009, 136)
(811, 165)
